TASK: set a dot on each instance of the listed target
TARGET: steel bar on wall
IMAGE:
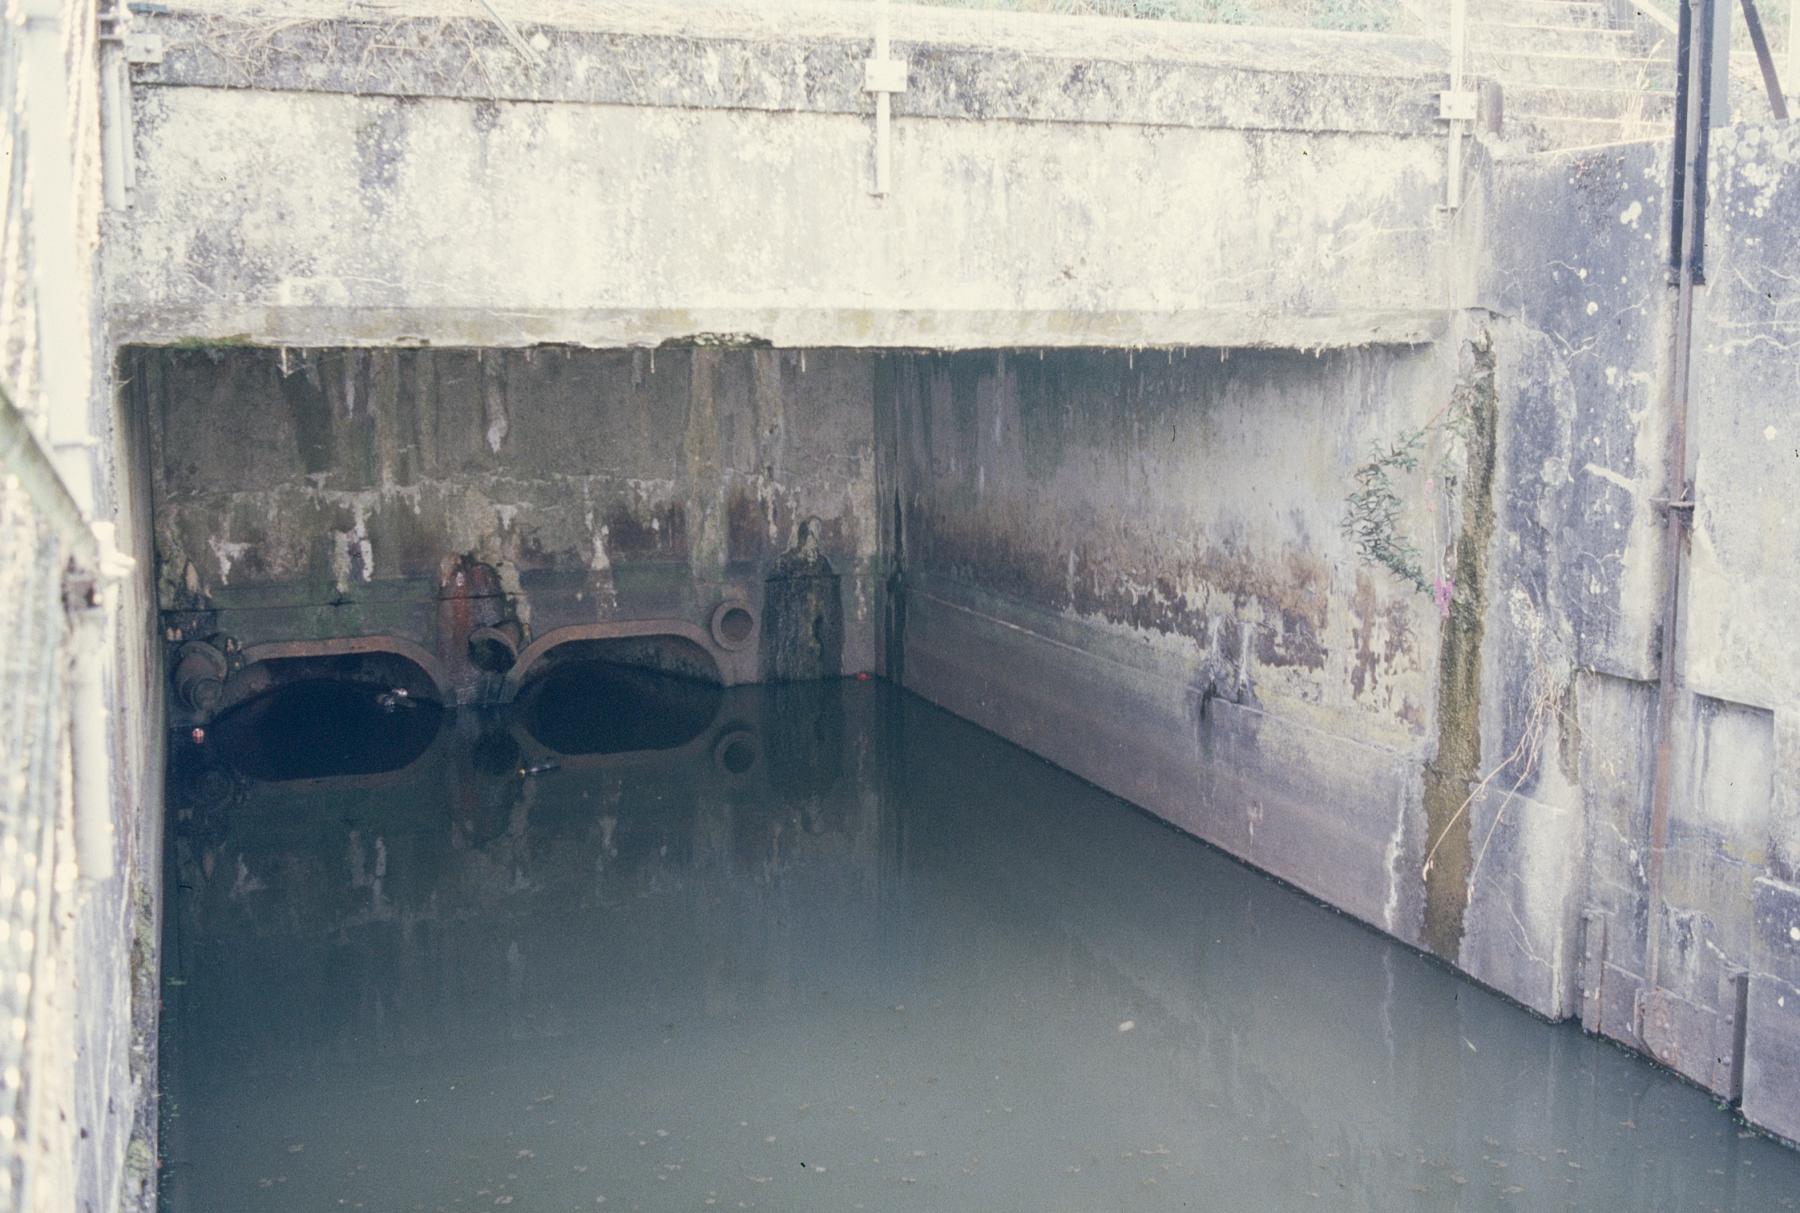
(1459, 42)
(1688, 249)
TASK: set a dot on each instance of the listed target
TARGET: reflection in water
(325, 726)
(876, 958)
(599, 707)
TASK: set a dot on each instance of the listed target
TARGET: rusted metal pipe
(494, 648)
(200, 671)
(1697, 22)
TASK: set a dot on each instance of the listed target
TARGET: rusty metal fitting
(200, 671)
(494, 648)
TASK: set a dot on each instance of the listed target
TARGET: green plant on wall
(1353, 14)
(1422, 464)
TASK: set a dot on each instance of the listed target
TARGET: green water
(839, 950)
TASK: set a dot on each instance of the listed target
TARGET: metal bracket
(884, 76)
(143, 48)
(1457, 106)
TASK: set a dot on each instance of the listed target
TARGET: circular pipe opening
(733, 625)
(735, 752)
(494, 649)
(200, 671)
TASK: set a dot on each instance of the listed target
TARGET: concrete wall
(1589, 329)
(671, 170)
(1371, 600)
(304, 495)
(1739, 833)
(80, 1122)
(1133, 564)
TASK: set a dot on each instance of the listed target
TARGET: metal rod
(1698, 16)
(90, 740)
(1765, 59)
(884, 167)
(1459, 44)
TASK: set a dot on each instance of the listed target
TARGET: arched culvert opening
(615, 696)
(345, 714)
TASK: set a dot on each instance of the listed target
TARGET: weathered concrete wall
(1590, 332)
(1734, 895)
(1135, 566)
(1382, 621)
(77, 1094)
(304, 495)
(669, 170)
(1575, 293)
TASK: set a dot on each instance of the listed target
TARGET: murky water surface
(828, 948)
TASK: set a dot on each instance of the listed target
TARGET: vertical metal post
(1718, 65)
(884, 163)
(1459, 47)
(884, 77)
(118, 167)
(1691, 142)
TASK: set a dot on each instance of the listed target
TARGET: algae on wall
(1451, 775)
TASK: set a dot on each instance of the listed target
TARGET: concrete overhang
(628, 174)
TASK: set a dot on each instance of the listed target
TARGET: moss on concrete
(1454, 771)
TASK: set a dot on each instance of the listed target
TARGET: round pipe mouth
(200, 671)
(494, 648)
(733, 625)
(735, 751)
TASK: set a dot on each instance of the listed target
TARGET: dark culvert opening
(316, 726)
(613, 697)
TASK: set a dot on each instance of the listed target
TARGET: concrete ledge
(809, 57)
(327, 219)
(848, 326)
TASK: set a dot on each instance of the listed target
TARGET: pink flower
(1443, 589)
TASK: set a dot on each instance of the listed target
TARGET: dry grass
(1547, 700)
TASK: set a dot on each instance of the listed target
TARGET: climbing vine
(1375, 510)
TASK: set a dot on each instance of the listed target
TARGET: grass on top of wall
(1315, 14)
